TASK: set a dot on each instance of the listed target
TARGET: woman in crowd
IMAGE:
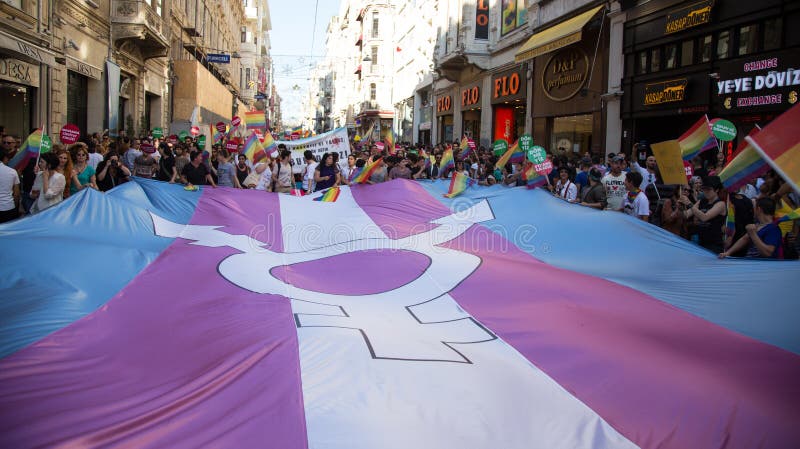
(145, 165)
(348, 170)
(226, 173)
(673, 210)
(83, 175)
(181, 159)
(594, 196)
(166, 164)
(565, 189)
(64, 167)
(242, 170)
(709, 215)
(326, 174)
(50, 183)
(282, 177)
(111, 172)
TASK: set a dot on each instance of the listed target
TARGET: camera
(114, 162)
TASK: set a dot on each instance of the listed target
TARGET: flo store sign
(760, 82)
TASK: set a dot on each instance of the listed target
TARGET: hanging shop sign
(20, 72)
(689, 16)
(471, 97)
(665, 92)
(78, 66)
(565, 74)
(767, 82)
(482, 19)
(508, 85)
(444, 105)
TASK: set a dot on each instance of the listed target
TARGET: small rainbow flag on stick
(255, 120)
(458, 184)
(514, 155)
(467, 146)
(779, 144)
(730, 220)
(30, 149)
(746, 165)
(253, 150)
(269, 144)
(366, 172)
(533, 179)
(330, 196)
(697, 139)
(447, 161)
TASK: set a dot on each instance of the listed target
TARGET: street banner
(332, 141)
(670, 162)
(112, 88)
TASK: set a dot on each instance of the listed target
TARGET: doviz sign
(219, 58)
(760, 82)
(689, 16)
(665, 92)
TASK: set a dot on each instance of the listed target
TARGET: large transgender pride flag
(153, 317)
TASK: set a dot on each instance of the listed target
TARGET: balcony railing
(138, 21)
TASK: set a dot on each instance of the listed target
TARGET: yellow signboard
(670, 162)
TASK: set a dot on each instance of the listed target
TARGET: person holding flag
(48, 188)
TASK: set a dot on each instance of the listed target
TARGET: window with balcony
(375, 29)
(156, 5)
(373, 91)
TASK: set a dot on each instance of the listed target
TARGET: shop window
(670, 56)
(687, 53)
(706, 44)
(723, 44)
(641, 63)
(748, 38)
(572, 134)
(772, 33)
(655, 60)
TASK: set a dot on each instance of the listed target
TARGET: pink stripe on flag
(165, 363)
(662, 377)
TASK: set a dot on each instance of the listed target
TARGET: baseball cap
(712, 182)
(617, 158)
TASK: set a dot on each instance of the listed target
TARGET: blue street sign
(259, 96)
(219, 58)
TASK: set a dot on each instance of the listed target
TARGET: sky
(291, 38)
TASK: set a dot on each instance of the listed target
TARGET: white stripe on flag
(414, 370)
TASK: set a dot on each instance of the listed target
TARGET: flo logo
(417, 321)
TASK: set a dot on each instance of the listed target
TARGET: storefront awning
(556, 37)
(27, 50)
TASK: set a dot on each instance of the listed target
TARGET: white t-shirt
(567, 191)
(265, 178)
(639, 207)
(94, 159)
(308, 176)
(647, 177)
(8, 179)
(345, 172)
(615, 190)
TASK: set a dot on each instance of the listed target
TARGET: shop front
(508, 95)
(471, 110)
(19, 82)
(728, 60)
(444, 116)
(569, 78)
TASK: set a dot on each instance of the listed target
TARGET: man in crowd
(763, 239)
(9, 187)
(649, 172)
(614, 182)
(595, 195)
(308, 172)
(635, 202)
(196, 172)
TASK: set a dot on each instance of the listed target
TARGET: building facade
(723, 59)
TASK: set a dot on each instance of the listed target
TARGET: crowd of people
(696, 211)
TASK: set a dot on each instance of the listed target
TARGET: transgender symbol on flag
(408, 322)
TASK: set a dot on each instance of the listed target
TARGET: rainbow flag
(730, 219)
(467, 146)
(330, 196)
(514, 155)
(253, 149)
(746, 165)
(30, 149)
(255, 120)
(533, 179)
(297, 130)
(363, 176)
(779, 145)
(697, 139)
(458, 184)
(390, 142)
(269, 144)
(793, 215)
(447, 161)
